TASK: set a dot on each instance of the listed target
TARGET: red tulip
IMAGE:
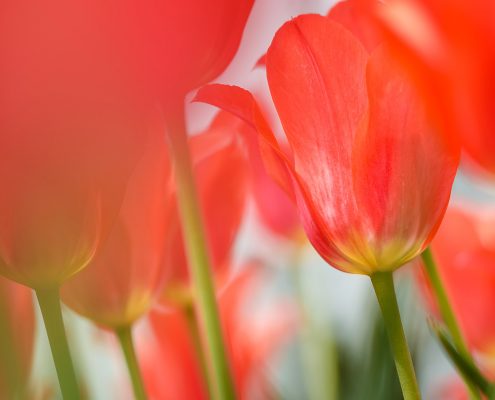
(221, 172)
(465, 251)
(370, 178)
(16, 339)
(128, 273)
(71, 134)
(170, 351)
(454, 67)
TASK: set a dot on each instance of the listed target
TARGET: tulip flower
(370, 178)
(144, 252)
(169, 350)
(127, 272)
(72, 131)
(454, 68)
(16, 339)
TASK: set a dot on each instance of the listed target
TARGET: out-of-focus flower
(128, 272)
(370, 178)
(71, 134)
(275, 209)
(452, 390)
(144, 254)
(222, 178)
(453, 67)
(254, 332)
(182, 45)
(465, 251)
(16, 339)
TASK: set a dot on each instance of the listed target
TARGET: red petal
(316, 73)
(242, 104)
(353, 15)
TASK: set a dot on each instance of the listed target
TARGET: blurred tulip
(453, 67)
(16, 339)
(453, 390)
(71, 134)
(127, 273)
(73, 125)
(146, 241)
(222, 178)
(370, 178)
(465, 253)
(170, 351)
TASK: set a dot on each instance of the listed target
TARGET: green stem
(446, 311)
(192, 325)
(199, 263)
(384, 288)
(49, 301)
(125, 339)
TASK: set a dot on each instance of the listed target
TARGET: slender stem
(125, 339)
(49, 301)
(199, 263)
(193, 327)
(447, 312)
(384, 288)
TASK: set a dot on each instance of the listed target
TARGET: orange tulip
(465, 252)
(170, 350)
(144, 253)
(370, 178)
(16, 339)
(127, 273)
(454, 67)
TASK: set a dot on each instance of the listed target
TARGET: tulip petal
(402, 171)
(316, 73)
(353, 15)
(241, 103)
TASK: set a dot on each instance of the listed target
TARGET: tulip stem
(385, 292)
(199, 263)
(49, 301)
(125, 338)
(193, 327)
(447, 312)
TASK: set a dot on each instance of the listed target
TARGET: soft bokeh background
(342, 350)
